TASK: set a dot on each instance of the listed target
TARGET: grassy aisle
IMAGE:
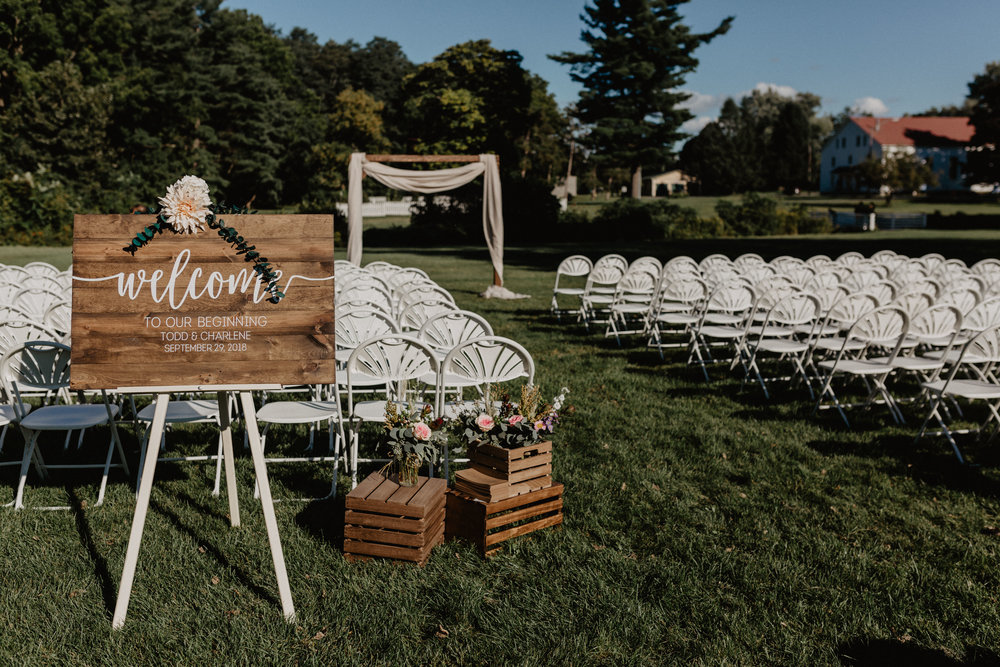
(703, 526)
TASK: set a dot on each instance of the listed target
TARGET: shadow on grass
(205, 541)
(108, 591)
(880, 652)
(324, 520)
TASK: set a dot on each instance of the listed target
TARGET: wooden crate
(496, 473)
(520, 464)
(386, 520)
(489, 525)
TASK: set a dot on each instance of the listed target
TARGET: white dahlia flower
(186, 204)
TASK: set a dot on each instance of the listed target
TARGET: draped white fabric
(428, 182)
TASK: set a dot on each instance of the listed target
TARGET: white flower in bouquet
(186, 204)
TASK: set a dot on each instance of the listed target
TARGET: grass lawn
(704, 526)
(705, 206)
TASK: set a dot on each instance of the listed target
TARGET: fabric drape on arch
(428, 182)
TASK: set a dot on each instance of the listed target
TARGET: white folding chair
(778, 337)
(574, 266)
(182, 411)
(390, 362)
(727, 313)
(675, 309)
(481, 363)
(630, 305)
(44, 366)
(878, 330)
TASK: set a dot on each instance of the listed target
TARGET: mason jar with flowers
(411, 440)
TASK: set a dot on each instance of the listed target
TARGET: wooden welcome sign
(186, 310)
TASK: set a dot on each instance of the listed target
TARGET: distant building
(668, 183)
(940, 141)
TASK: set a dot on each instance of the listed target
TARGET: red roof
(917, 130)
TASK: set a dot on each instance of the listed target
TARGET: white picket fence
(379, 208)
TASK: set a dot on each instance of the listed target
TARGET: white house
(940, 141)
(666, 184)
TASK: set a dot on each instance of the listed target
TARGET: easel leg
(141, 505)
(267, 505)
(227, 454)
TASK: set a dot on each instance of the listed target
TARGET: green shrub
(36, 209)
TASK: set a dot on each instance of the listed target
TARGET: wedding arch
(429, 182)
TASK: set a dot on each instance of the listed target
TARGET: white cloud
(872, 105)
(699, 103)
(784, 91)
(696, 125)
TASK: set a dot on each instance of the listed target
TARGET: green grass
(705, 206)
(704, 526)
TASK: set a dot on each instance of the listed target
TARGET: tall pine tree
(639, 55)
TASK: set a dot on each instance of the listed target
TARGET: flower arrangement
(412, 440)
(186, 208)
(499, 422)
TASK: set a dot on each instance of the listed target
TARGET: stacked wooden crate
(387, 520)
(496, 473)
(489, 524)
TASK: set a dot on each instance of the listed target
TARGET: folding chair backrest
(574, 265)
(748, 260)
(883, 291)
(15, 332)
(985, 315)
(635, 286)
(820, 262)
(850, 258)
(58, 318)
(846, 310)
(444, 331)
(713, 262)
(931, 261)
(682, 263)
(392, 360)
(606, 276)
(35, 301)
(354, 327)
(370, 293)
(799, 275)
(963, 299)
(423, 292)
(982, 350)
(413, 316)
(685, 293)
(861, 278)
(828, 296)
(913, 302)
(647, 263)
(823, 278)
(33, 367)
(883, 327)
(614, 260)
(940, 324)
(732, 298)
(794, 308)
(489, 360)
(987, 267)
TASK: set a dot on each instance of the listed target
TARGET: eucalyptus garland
(261, 266)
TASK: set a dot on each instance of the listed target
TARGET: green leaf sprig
(261, 266)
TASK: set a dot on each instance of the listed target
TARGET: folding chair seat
(323, 405)
(983, 349)
(878, 330)
(183, 411)
(778, 336)
(43, 366)
(574, 266)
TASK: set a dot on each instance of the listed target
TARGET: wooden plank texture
(187, 310)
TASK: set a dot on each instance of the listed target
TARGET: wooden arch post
(427, 159)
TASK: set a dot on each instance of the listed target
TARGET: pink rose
(515, 419)
(421, 431)
(484, 422)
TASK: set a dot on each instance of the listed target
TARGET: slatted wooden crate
(489, 525)
(387, 520)
(496, 473)
(520, 464)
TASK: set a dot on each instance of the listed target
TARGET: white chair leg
(29, 450)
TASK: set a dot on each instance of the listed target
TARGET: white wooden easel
(260, 469)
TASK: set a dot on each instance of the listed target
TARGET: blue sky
(888, 57)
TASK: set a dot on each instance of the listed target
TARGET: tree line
(103, 103)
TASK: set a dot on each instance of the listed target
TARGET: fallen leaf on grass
(202, 550)
(991, 530)
(743, 495)
(233, 612)
(729, 549)
(76, 592)
(597, 547)
(623, 486)
(215, 580)
(318, 636)
(442, 632)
